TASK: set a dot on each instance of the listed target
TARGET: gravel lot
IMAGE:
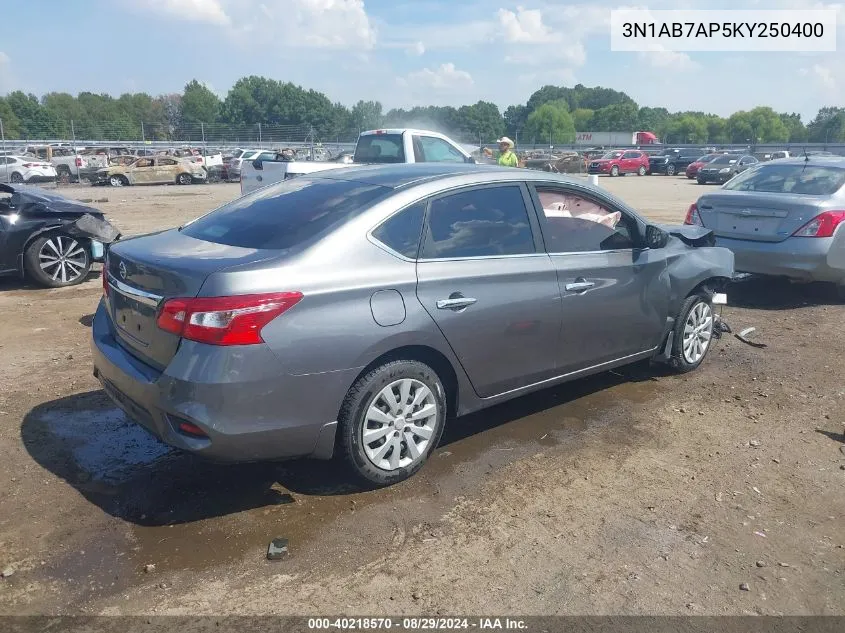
(635, 492)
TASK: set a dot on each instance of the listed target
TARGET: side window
(436, 150)
(574, 223)
(270, 156)
(166, 161)
(143, 162)
(631, 155)
(479, 223)
(401, 232)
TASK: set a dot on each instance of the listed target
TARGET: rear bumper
(41, 178)
(801, 258)
(249, 413)
(658, 168)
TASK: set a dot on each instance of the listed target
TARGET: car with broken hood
(152, 170)
(357, 311)
(49, 239)
(784, 218)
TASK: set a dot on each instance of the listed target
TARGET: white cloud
(573, 54)
(418, 49)
(526, 25)
(446, 77)
(208, 11)
(824, 75)
(326, 24)
(666, 60)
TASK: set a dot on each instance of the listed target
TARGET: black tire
(614, 171)
(118, 181)
(701, 182)
(33, 258)
(184, 179)
(670, 170)
(642, 171)
(352, 419)
(16, 178)
(690, 177)
(680, 361)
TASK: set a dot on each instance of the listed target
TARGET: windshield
(797, 178)
(610, 155)
(380, 148)
(286, 214)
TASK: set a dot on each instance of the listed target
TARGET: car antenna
(806, 160)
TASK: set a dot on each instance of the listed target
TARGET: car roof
(396, 176)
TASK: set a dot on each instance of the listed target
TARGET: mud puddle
(179, 513)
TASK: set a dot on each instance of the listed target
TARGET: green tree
(686, 128)
(828, 126)
(514, 118)
(620, 117)
(796, 128)
(366, 115)
(550, 122)
(762, 124)
(11, 123)
(199, 104)
(481, 122)
(652, 119)
(582, 118)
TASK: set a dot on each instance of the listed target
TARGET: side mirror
(257, 164)
(655, 237)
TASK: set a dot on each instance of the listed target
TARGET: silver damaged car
(355, 312)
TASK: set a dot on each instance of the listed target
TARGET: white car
(233, 167)
(25, 169)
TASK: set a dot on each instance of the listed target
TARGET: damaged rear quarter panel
(689, 266)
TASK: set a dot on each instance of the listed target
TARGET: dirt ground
(631, 492)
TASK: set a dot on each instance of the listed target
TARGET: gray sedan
(354, 311)
(785, 218)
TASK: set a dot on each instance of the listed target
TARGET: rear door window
(486, 222)
(401, 232)
(380, 148)
(286, 214)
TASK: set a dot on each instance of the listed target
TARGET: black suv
(673, 161)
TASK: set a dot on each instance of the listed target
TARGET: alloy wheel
(63, 259)
(698, 332)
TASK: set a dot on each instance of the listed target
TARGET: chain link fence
(269, 136)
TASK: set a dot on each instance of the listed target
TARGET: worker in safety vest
(506, 156)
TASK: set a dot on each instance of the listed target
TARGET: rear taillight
(693, 217)
(236, 320)
(823, 225)
(28, 165)
(189, 428)
(78, 162)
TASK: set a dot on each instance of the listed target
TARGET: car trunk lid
(759, 217)
(145, 271)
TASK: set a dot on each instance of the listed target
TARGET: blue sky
(400, 52)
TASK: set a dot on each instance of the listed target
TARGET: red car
(617, 162)
(692, 169)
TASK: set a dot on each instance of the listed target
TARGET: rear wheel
(16, 178)
(184, 179)
(63, 174)
(614, 171)
(670, 170)
(693, 333)
(641, 171)
(118, 181)
(57, 260)
(391, 421)
(701, 181)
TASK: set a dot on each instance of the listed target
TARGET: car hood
(26, 199)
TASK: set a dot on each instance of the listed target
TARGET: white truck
(374, 147)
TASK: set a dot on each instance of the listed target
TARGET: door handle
(455, 303)
(579, 285)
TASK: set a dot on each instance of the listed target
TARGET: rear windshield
(803, 179)
(286, 214)
(380, 148)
